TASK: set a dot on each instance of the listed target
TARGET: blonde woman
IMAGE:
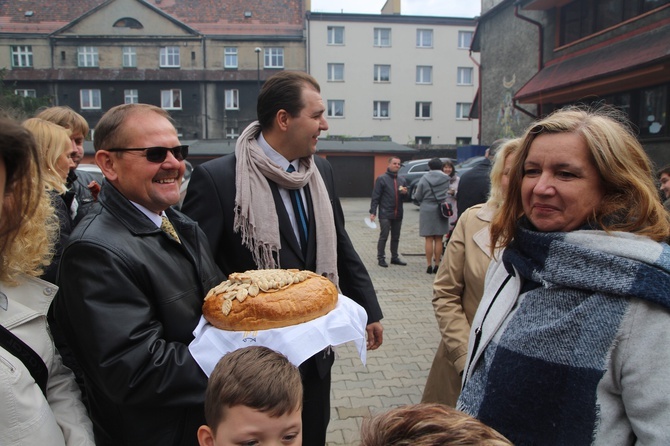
(459, 284)
(30, 414)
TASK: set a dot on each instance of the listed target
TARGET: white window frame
(131, 96)
(335, 108)
(465, 39)
(419, 110)
(380, 39)
(170, 57)
(381, 109)
(89, 99)
(464, 76)
(424, 38)
(336, 35)
(171, 99)
(26, 92)
(335, 72)
(232, 133)
(232, 99)
(273, 58)
(22, 56)
(424, 74)
(230, 57)
(463, 110)
(129, 57)
(379, 71)
(87, 56)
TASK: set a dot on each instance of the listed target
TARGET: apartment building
(407, 78)
(202, 61)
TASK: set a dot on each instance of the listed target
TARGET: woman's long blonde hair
(52, 140)
(631, 202)
(28, 224)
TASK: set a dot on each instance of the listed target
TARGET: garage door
(354, 175)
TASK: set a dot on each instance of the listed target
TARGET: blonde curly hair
(52, 141)
(28, 224)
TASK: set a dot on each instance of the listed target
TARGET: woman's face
(65, 162)
(447, 169)
(561, 186)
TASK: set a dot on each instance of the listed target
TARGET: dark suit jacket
(211, 202)
(474, 186)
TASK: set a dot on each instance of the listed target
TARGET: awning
(631, 61)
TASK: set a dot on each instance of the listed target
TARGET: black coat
(128, 302)
(474, 186)
(387, 197)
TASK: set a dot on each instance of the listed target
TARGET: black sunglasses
(158, 154)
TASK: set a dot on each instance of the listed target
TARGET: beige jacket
(457, 290)
(26, 416)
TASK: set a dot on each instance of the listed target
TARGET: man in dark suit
(475, 185)
(273, 205)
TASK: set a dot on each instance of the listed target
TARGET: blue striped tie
(300, 214)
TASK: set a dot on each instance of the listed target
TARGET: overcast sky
(447, 8)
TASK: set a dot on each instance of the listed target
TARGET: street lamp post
(258, 68)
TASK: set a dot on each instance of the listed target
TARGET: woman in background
(449, 168)
(459, 284)
(30, 415)
(431, 190)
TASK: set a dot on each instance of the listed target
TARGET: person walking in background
(475, 184)
(569, 343)
(387, 198)
(41, 403)
(459, 284)
(663, 176)
(132, 279)
(433, 189)
(449, 168)
(272, 204)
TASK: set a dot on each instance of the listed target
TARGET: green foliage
(15, 106)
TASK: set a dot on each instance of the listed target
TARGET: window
(129, 57)
(424, 74)
(89, 99)
(382, 37)
(336, 35)
(171, 99)
(335, 108)
(653, 111)
(382, 73)
(232, 99)
(464, 76)
(422, 140)
(130, 97)
(274, 58)
(465, 39)
(87, 56)
(22, 56)
(25, 93)
(424, 38)
(463, 110)
(422, 110)
(463, 140)
(169, 57)
(335, 72)
(230, 57)
(232, 133)
(380, 109)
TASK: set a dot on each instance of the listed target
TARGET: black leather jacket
(386, 196)
(129, 300)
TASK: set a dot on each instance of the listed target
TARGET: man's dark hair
(493, 148)
(435, 164)
(283, 91)
(663, 170)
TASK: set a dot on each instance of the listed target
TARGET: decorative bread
(268, 298)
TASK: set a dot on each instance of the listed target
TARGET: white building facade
(409, 78)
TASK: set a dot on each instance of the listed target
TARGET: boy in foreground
(254, 396)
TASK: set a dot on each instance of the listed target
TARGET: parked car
(94, 171)
(413, 170)
(468, 164)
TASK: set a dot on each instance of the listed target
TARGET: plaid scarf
(536, 383)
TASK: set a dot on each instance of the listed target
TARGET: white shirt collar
(156, 218)
(275, 156)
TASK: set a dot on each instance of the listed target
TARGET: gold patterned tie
(167, 227)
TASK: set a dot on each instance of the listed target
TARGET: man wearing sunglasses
(132, 281)
(273, 205)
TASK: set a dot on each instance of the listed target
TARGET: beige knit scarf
(255, 212)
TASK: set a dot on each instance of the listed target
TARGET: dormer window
(128, 22)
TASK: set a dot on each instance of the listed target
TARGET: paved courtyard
(395, 373)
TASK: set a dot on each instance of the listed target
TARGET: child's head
(427, 425)
(254, 394)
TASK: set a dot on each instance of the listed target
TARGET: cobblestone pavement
(395, 374)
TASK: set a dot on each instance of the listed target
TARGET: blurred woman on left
(37, 408)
